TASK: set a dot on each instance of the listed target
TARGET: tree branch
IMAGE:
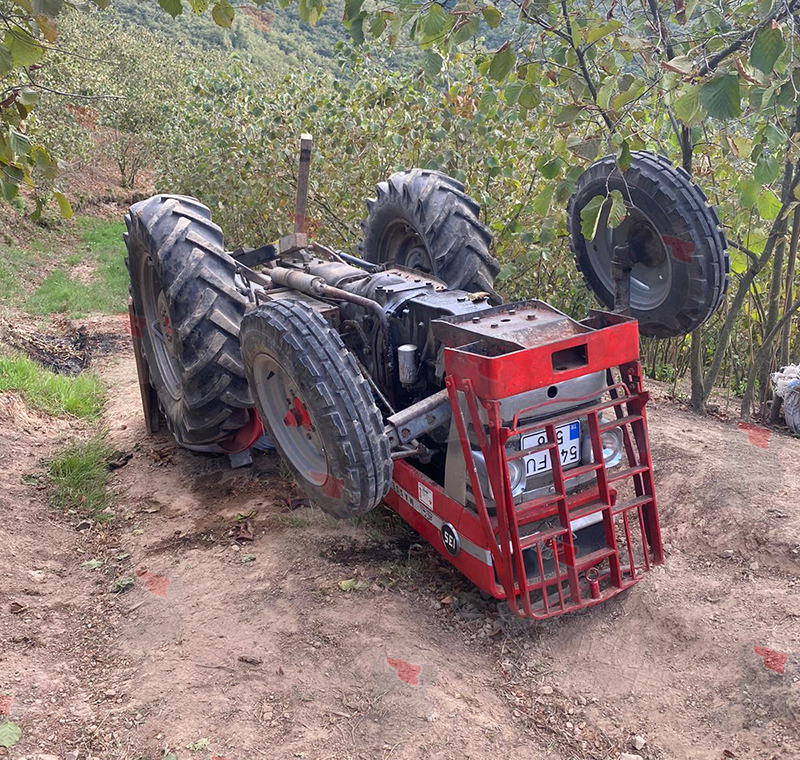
(780, 12)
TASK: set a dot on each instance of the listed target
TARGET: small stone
(726, 554)
(544, 690)
(581, 701)
(638, 742)
(569, 725)
(628, 756)
(754, 566)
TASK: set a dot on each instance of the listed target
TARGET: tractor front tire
(317, 407)
(188, 314)
(424, 220)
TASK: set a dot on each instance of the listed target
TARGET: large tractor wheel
(317, 407)
(681, 273)
(182, 285)
(423, 220)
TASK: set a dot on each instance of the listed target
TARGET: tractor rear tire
(317, 407)
(682, 286)
(189, 312)
(423, 220)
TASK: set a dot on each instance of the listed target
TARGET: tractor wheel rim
(288, 419)
(401, 244)
(650, 284)
(159, 329)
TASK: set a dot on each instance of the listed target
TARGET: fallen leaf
(122, 584)
(241, 516)
(352, 585)
(10, 733)
(247, 659)
(119, 459)
(245, 531)
(16, 608)
(446, 600)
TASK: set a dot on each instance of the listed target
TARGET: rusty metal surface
(509, 327)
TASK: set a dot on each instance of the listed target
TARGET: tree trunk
(777, 231)
(786, 336)
(699, 397)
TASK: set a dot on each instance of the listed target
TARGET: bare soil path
(246, 649)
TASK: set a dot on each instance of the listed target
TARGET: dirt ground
(232, 648)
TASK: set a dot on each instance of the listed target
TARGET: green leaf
(634, 91)
(590, 216)
(199, 6)
(598, 32)
(687, 107)
(567, 115)
(618, 211)
(310, 11)
(173, 7)
(512, 91)
(748, 192)
(492, 16)
(606, 91)
(8, 191)
(28, 96)
(466, 31)
(767, 48)
(681, 64)
(434, 22)
(378, 25)
(92, 564)
(768, 205)
(25, 51)
(352, 9)
(431, 62)
(103, 4)
(49, 8)
(487, 101)
(549, 167)
(19, 143)
(63, 204)
(223, 14)
(357, 29)
(6, 61)
(502, 63)
(767, 169)
(542, 203)
(352, 585)
(529, 97)
(10, 733)
(721, 97)
(624, 157)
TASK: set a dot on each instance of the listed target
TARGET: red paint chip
(156, 584)
(756, 435)
(775, 661)
(6, 700)
(405, 670)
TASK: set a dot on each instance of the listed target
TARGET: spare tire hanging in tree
(680, 266)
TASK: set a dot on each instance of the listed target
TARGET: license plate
(568, 437)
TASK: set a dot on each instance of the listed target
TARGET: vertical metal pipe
(301, 201)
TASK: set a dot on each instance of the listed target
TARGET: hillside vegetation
(216, 113)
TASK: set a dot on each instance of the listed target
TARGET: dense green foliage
(554, 86)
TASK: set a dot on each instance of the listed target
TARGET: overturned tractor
(511, 436)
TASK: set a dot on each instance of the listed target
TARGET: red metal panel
(497, 546)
